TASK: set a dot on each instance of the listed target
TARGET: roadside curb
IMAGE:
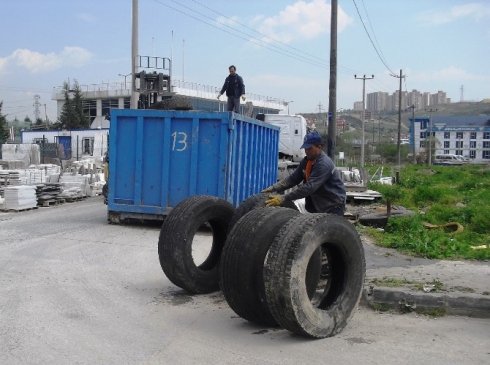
(462, 304)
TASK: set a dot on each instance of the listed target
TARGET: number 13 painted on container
(181, 139)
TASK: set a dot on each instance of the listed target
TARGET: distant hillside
(462, 108)
(389, 120)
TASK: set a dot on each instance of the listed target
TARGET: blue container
(159, 158)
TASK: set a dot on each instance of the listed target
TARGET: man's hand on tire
(275, 200)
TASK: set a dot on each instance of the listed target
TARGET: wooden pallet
(74, 199)
(17, 210)
(49, 203)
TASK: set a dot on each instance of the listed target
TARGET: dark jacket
(237, 90)
(325, 186)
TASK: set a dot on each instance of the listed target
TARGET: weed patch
(446, 194)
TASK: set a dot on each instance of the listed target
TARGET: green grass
(439, 194)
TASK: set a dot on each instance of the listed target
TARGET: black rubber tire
(328, 312)
(380, 219)
(242, 262)
(176, 238)
(174, 103)
(254, 202)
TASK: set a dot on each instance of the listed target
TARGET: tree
(72, 116)
(27, 120)
(4, 129)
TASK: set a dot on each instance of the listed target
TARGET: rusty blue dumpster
(159, 158)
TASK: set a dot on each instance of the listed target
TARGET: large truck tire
(176, 239)
(328, 311)
(242, 262)
(254, 202)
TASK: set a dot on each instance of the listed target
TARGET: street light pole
(430, 134)
(364, 78)
(124, 79)
(288, 105)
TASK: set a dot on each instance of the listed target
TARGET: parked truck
(293, 129)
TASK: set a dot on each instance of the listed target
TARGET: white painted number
(179, 138)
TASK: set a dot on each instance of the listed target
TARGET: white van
(447, 159)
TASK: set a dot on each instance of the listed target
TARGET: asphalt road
(76, 290)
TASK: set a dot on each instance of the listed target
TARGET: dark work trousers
(337, 209)
(233, 104)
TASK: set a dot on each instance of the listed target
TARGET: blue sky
(281, 48)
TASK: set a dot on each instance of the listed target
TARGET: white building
(76, 143)
(468, 136)
(99, 99)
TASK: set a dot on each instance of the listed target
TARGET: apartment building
(468, 136)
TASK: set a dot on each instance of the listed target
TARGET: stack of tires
(275, 266)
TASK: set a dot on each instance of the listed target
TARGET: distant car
(447, 159)
(463, 159)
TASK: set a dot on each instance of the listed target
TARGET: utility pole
(364, 78)
(379, 131)
(429, 140)
(413, 133)
(332, 103)
(134, 54)
(399, 116)
(46, 115)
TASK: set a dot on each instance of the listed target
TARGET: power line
(262, 34)
(372, 30)
(258, 43)
(369, 36)
(312, 60)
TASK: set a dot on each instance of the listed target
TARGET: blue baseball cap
(311, 139)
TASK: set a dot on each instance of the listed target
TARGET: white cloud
(477, 11)
(302, 20)
(37, 63)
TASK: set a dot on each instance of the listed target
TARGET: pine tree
(4, 129)
(72, 116)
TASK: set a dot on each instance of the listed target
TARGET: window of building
(486, 144)
(473, 135)
(459, 152)
(88, 145)
(423, 135)
(90, 108)
(485, 155)
(486, 135)
(446, 152)
(422, 144)
(108, 104)
(459, 135)
(472, 154)
(459, 144)
(472, 144)
(447, 135)
(446, 144)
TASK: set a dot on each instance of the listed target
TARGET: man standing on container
(235, 88)
(317, 180)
